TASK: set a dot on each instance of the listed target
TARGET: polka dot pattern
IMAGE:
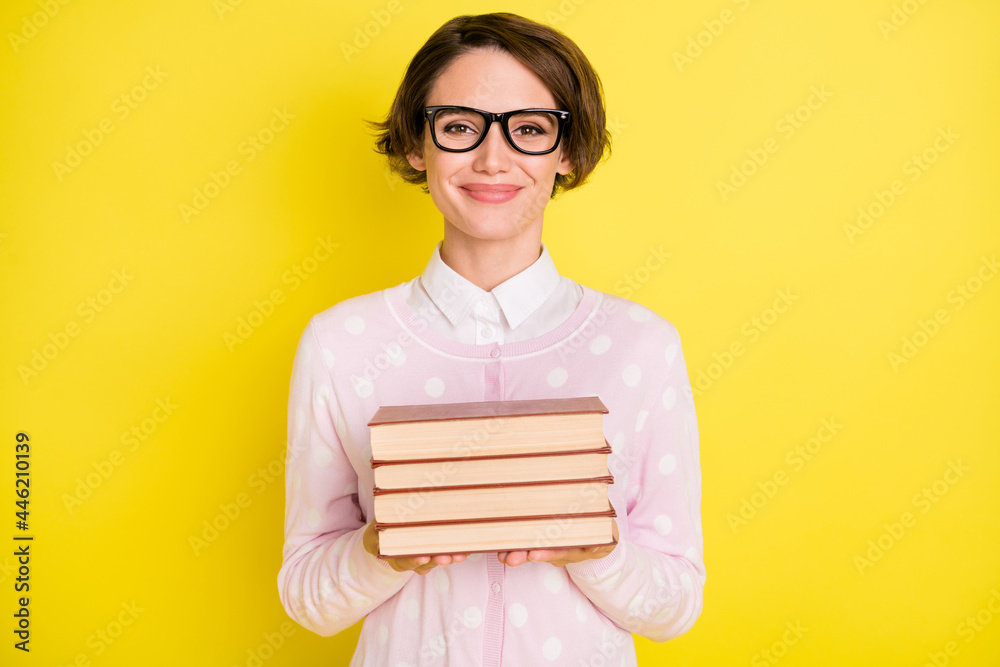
(328, 358)
(639, 313)
(472, 617)
(552, 649)
(671, 353)
(517, 614)
(663, 524)
(313, 518)
(555, 580)
(434, 387)
(557, 377)
(669, 398)
(632, 375)
(397, 357)
(355, 325)
(322, 395)
(363, 387)
(668, 463)
(322, 456)
(439, 577)
(640, 420)
(600, 345)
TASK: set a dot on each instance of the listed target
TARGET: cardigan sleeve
(651, 583)
(327, 581)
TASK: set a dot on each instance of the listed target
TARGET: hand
(419, 564)
(558, 557)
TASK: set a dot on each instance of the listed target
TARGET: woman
(490, 318)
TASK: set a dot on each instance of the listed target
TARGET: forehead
(491, 80)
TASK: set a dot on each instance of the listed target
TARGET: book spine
(480, 551)
(381, 525)
(375, 463)
(607, 479)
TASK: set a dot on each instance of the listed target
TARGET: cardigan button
(495, 588)
(495, 352)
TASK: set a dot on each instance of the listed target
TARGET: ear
(565, 165)
(416, 160)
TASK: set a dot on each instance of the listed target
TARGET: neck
(488, 262)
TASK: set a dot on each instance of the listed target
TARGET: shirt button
(495, 352)
(486, 332)
(495, 588)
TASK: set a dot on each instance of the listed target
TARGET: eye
(528, 131)
(458, 128)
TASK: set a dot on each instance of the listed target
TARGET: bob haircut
(552, 56)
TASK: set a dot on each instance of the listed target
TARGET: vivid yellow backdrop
(131, 303)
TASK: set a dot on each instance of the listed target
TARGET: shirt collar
(519, 296)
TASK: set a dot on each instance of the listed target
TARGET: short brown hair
(551, 55)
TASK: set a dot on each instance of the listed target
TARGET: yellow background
(680, 128)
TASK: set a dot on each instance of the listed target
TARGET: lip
(491, 193)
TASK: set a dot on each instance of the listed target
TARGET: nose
(494, 154)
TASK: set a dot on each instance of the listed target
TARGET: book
(556, 532)
(491, 476)
(458, 471)
(492, 501)
(487, 428)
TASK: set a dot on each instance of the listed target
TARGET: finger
(515, 558)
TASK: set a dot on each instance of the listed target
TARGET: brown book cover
(395, 414)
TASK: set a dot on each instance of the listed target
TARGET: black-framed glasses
(530, 131)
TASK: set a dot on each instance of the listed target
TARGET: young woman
(495, 115)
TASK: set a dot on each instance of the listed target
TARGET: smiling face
(492, 192)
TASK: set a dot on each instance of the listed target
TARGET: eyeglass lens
(531, 131)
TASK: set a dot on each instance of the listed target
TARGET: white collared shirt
(527, 305)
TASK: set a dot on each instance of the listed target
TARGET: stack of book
(491, 476)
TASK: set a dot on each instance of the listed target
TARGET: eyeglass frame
(562, 118)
